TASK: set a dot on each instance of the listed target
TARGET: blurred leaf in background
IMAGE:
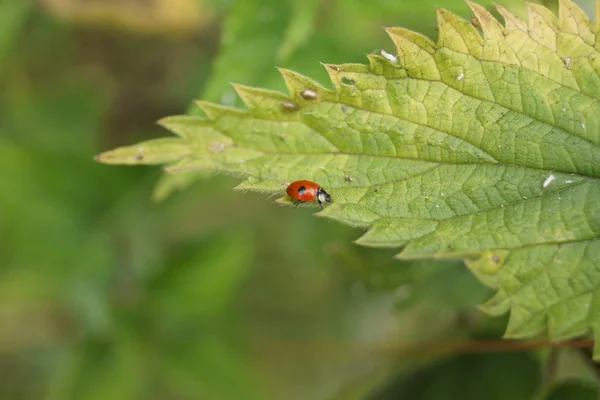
(210, 294)
(164, 17)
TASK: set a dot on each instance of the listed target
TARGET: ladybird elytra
(307, 191)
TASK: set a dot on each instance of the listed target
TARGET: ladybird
(303, 191)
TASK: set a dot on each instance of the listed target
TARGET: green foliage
(482, 374)
(572, 391)
(482, 147)
(12, 17)
(211, 293)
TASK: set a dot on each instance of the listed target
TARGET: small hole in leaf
(348, 81)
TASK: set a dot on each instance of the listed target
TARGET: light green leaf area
(482, 146)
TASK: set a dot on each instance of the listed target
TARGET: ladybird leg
(320, 204)
(297, 202)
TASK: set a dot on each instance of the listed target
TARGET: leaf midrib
(437, 163)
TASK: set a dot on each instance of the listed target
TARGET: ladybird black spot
(301, 190)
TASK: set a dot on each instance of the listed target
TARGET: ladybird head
(323, 196)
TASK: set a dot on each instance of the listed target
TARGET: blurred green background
(211, 293)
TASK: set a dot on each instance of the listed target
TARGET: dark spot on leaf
(345, 109)
(347, 81)
(496, 259)
(139, 157)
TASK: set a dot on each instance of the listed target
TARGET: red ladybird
(303, 191)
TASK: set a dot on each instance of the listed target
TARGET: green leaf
(101, 370)
(482, 147)
(469, 377)
(12, 18)
(205, 284)
(573, 391)
(300, 28)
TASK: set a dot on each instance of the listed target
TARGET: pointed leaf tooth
(267, 104)
(415, 53)
(495, 48)
(395, 232)
(344, 75)
(344, 79)
(458, 34)
(358, 87)
(352, 214)
(569, 318)
(215, 111)
(489, 25)
(187, 127)
(150, 152)
(262, 186)
(524, 322)
(251, 96)
(542, 25)
(511, 21)
(572, 19)
(417, 38)
(498, 305)
(380, 65)
(297, 84)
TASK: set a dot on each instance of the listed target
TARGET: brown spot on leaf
(290, 106)
(308, 94)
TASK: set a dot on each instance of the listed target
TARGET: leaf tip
(164, 122)
(299, 84)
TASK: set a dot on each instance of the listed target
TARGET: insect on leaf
(482, 146)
